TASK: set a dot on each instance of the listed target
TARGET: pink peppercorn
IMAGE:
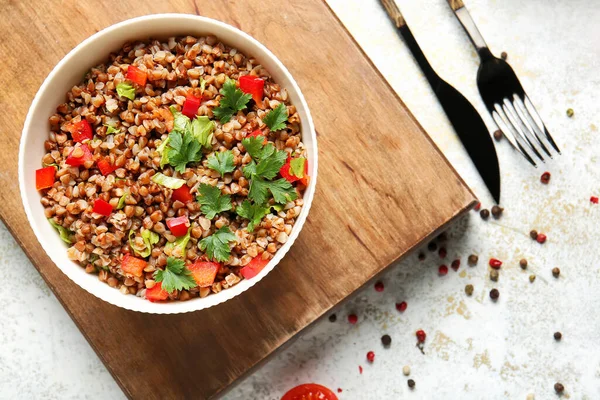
(541, 238)
(401, 306)
(494, 263)
(352, 318)
(379, 286)
(443, 270)
(370, 356)
(442, 252)
(455, 264)
(421, 335)
(594, 199)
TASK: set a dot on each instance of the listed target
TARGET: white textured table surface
(475, 348)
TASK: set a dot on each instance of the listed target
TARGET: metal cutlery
(467, 123)
(504, 97)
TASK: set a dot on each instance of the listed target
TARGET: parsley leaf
(281, 189)
(183, 148)
(124, 89)
(253, 146)
(212, 201)
(216, 245)
(176, 276)
(253, 212)
(276, 119)
(233, 100)
(221, 162)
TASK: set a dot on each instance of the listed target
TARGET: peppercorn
(557, 335)
(497, 211)
(442, 237)
(570, 112)
(442, 270)
(555, 272)
(379, 286)
(533, 234)
(494, 294)
(455, 264)
(411, 383)
(406, 370)
(498, 135)
(386, 340)
(421, 256)
(495, 263)
(352, 318)
(541, 238)
(442, 253)
(401, 306)
(523, 263)
(559, 388)
(473, 259)
(332, 318)
(484, 214)
(432, 246)
(504, 55)
(545, 178)
(494, 275)
(531, 278)
(594, 199)
(469, 289)
(421, 335)
(370, 356)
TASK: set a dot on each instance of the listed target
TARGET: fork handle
(467, 22)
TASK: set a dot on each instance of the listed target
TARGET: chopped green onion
(63, 232)
(124, 89)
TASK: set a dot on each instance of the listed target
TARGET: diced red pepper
(252, 85)
(285, 172)
(44, 178)
(156, 293)
(136, 75)
(80, 131)
(105, 167)
(204, 272)
(102, 207)
(133, 265)
(254, 267)
(178, 226)
(190, 106)
(258, 133)
(78, 161)
(182, 194)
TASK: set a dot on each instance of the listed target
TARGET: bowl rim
(177, 306)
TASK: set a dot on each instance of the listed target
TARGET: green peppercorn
(494, 275)
(570, 113)
(531, 278)
(469, 289)
(523, 263)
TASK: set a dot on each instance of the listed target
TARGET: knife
(467, 123)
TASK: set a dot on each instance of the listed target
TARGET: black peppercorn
(559, 387)
(484, 214)
(472, 260)
(442, 237)
(523, 263)
(432, 246)
(555, 272)
(494, 294)
(533, 234)
(332, 318)
(497, 211)
(411, 383)
(421, 256)
(557, 335)
(504, 55)
(498, 135)
(386, 340)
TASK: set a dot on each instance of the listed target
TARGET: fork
(504, 97)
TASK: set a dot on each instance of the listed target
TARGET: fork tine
(512, 138)
(528, 130)
(528, 104)
(522, 135)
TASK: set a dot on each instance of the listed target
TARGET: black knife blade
(467, 122)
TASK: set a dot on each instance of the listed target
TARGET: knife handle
(467, 22)
(456, 4)
(394, 13)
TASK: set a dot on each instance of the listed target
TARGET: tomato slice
(133, 265)
(102, 207)
(190, 106)
(156, 293)
(105, 167)
(80, 131)
(78, 161)
(44, 178)
(252, 269)
(310, 391)
(252, 85)
(136, 75)
(204, 272)
(178, 226)
(182, 194)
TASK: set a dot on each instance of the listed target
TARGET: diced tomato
(178, 226)
(102, 207)
(285, 172)
(133, 265)
(204, 272)
(254, 267)
(78, 161)
(156, 293)
(80, 131)
(44, 178)
(136, 75)
(310, 391)
(182, 194)
(254, 86)
(190, 106)
(105, 167)
(258, 133)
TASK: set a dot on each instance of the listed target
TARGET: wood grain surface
(383, 189)
(456, 4)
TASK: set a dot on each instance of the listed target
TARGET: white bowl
(68, 72)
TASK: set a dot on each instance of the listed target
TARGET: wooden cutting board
(383, 189)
